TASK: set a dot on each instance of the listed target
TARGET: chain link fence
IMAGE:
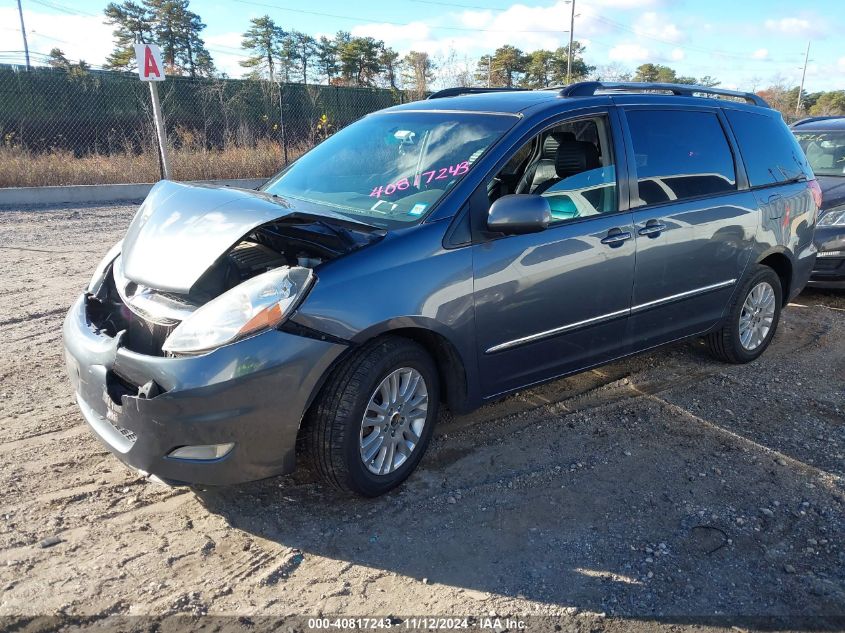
(74, 126)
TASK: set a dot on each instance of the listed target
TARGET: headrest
(552, 141)
(573, 157)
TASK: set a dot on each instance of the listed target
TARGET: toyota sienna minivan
(446, 251)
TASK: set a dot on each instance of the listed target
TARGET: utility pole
(803, 76)
(571, 37)
(23, 32)
(489, 70)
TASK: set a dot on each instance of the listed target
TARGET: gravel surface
(656, 492)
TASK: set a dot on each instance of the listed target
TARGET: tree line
(274, 53)
(168, 23)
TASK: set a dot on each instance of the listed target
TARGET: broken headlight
(257, 304)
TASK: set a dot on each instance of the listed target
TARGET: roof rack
(811, 119)
(454, 92)
(589, 88)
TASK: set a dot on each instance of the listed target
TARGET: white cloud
(225, 49)
(626, 4)
(393, 34)
(654, 25)
(796, 26)
(841, 63)
(230, 39)
(760, 53)
(677, 54)
(529, 28)
(630, 53)
(79, 36)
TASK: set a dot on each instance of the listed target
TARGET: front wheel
(752, 319)
(374, 417)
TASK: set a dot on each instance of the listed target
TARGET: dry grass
(21, 168)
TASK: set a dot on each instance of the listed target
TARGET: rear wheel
(752, 319)
(373, 419)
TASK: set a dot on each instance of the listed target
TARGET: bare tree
(455, 72)
(611, 72)
(419, 73)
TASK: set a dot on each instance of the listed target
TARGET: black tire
(724, 343)
(333, 426)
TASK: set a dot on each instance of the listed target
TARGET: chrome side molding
(609, 316)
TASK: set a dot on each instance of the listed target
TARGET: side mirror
(519, 213)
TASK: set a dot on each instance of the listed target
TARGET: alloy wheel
(758, 312)
(393, 421)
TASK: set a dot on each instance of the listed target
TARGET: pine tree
(195, 54)
(57, 59)
(263, 40)
(133, 24)
(580, 69)
(359, 60)
(302, 50)
(389, 60)
(508, 63)
(326, 57)
(418, 72)
(168, 23)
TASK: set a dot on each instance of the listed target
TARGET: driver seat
(543, 169)
(572, 157)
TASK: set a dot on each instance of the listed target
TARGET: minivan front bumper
(829, 271)
(252, 393)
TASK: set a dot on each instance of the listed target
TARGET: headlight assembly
(833, 217)
(257, 304)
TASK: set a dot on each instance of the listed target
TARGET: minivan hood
(182, 229)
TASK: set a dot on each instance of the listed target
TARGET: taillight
(813, 186)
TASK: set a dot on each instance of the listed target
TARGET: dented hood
(182, 229)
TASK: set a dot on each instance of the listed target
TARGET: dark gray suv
(823, 141)
(446, 251)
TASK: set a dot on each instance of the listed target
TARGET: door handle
(615, 238)
(653, 228)
(775, 209)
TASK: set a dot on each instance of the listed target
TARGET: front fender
(408, 280)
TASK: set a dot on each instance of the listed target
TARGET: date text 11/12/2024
(426, 623)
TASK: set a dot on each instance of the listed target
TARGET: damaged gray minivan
(452, 250)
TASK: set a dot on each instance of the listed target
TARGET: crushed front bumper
(252, 393)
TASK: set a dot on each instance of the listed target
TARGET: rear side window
(770, 152)
(680, 154)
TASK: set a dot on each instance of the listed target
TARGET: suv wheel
(374, 417)
(752, 319)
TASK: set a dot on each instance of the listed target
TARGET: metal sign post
(151, 69)
(162, 137)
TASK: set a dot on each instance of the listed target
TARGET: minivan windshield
(825, 151)
(390, 169)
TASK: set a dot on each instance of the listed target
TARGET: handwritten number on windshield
(426, 177)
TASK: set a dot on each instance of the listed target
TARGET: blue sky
(747, 44)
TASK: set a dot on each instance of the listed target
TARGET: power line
(63, 8)
(462, 6)
(609, 22)
(688, 47)
(360, 19)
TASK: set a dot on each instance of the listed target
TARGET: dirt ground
(666, 491)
